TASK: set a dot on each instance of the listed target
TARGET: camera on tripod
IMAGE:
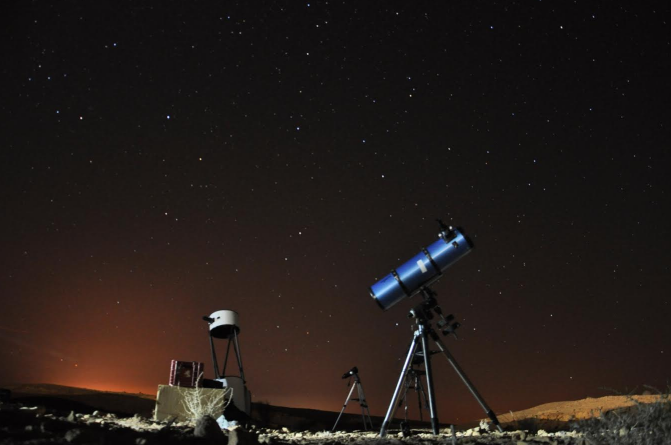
(365, 411)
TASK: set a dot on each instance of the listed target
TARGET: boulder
(239, 436)
(208, 428)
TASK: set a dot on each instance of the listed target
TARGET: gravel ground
(39, 425)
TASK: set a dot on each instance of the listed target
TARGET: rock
(54, 426)
(238, 436)
(5, 395)
(37, 410)
(208, 428)
(226, 424)
(79, 435)
(472, 432)
(9, 407)
(71, 417)
(265, 439)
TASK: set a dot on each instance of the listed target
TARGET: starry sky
(164, 160)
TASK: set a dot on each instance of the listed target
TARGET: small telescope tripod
(365, 412)
(422, 313)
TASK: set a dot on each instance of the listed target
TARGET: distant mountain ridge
(82, 399)
(128, 404)
(54, 389)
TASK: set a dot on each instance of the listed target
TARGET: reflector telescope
(421, 270)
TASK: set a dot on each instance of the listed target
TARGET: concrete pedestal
(170, 399)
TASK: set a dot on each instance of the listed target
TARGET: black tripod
(422, 313)
(232, 338)
(365, 412)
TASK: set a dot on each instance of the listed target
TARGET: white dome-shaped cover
(225, 324)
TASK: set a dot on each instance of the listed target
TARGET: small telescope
(350, 373)
(422, 269)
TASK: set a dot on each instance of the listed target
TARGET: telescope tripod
(414, 381)
(365, 412)
(422, 314)
(233, 338)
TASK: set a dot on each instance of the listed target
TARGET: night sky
(164, 160)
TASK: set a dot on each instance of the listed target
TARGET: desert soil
(36, 425)
(39, 421)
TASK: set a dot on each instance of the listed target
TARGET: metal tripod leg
(467, 382)
(404, 397)
(364, 406)
(419, 389)
(429, 383)
(214, 359)
(401, 381)
(343, 407)
(238, 355)
(228, 349)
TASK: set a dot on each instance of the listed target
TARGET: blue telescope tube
(421, 270)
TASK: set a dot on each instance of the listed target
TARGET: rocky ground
(49, 414)
(21, 424)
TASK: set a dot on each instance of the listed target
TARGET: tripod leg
(421, 394)
(214, 359)
(228, 349)
(343, 408)
(418, 390)
(429, 383)
(403, 398)
(238, 355)
(365, 411)
(401, 380)
(467, 382)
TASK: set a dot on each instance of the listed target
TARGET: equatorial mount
(423, 313)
